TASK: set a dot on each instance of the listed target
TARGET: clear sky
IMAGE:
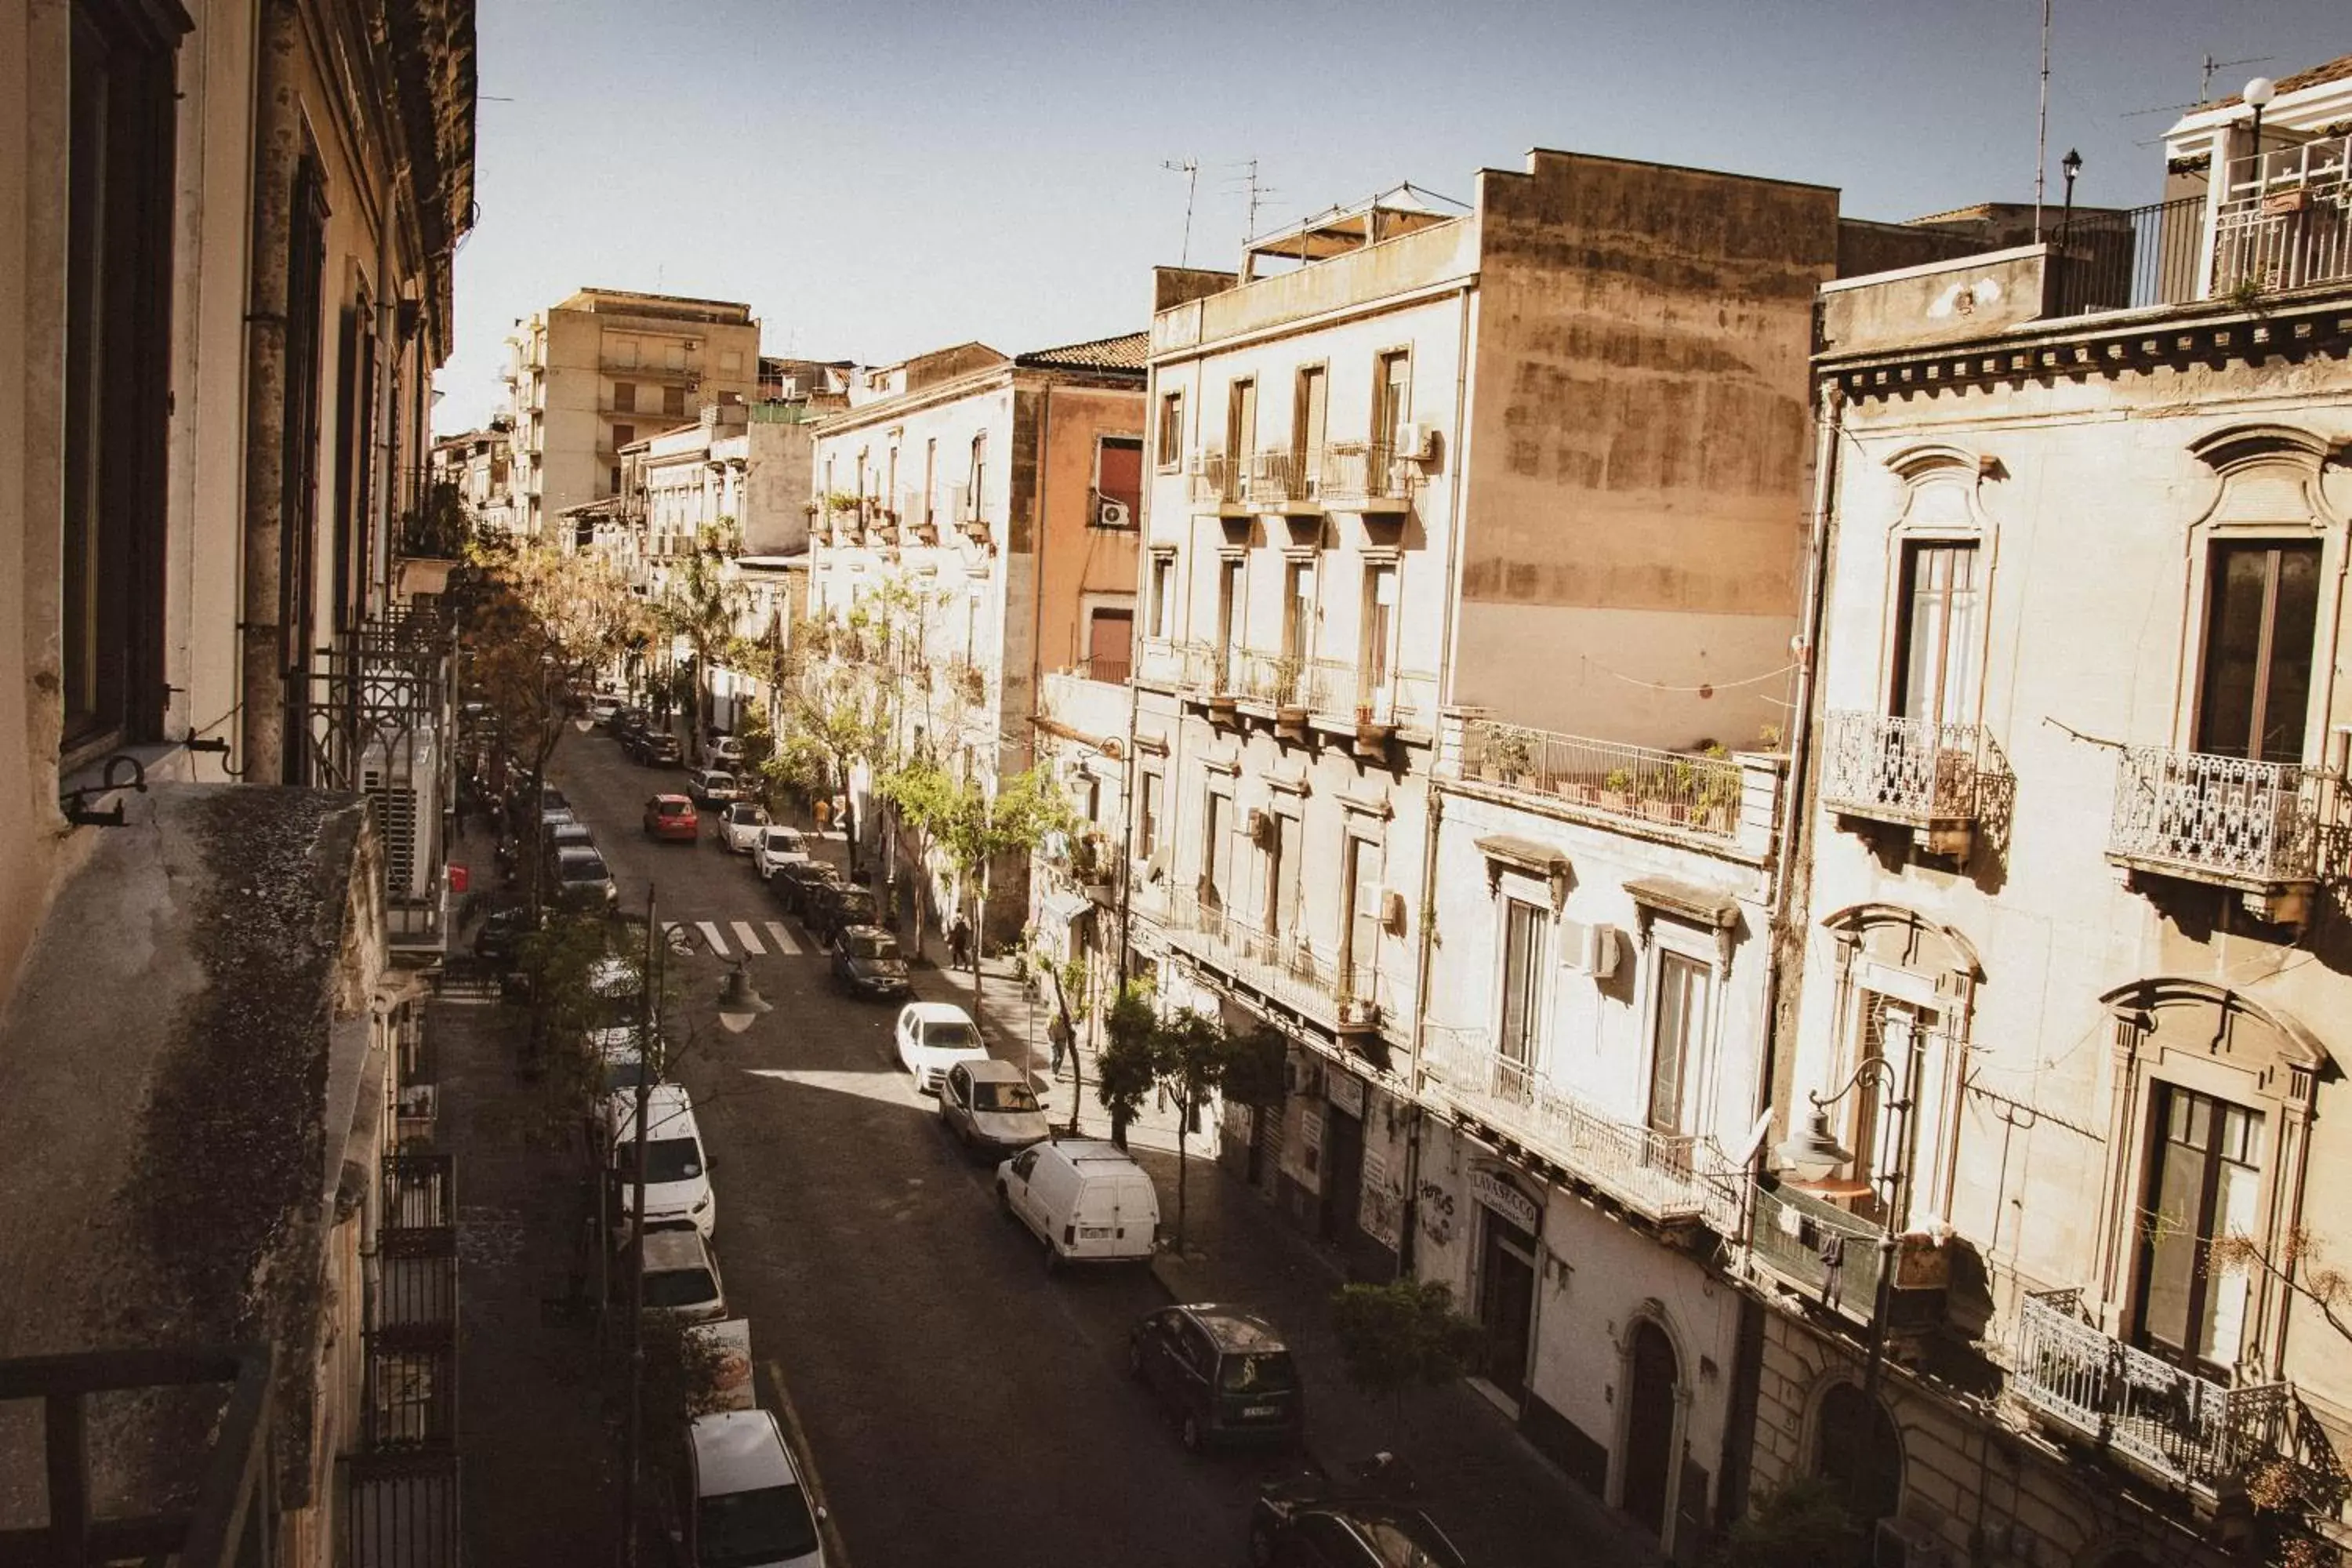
(879, 178)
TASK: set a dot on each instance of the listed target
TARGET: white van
(677, 1176)
(1084, 1199)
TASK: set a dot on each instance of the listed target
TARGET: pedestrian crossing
(744, 938)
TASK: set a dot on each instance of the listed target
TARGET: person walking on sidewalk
(960, 943)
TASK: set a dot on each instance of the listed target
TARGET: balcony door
(1937, 634)
(1900, 1117)
(1230, 608)
(1380, 634)
(1308, 419)
(1679, 1030)
(2204, 1175)
(1518, 1033)
(1240, 436)
(2262, 614)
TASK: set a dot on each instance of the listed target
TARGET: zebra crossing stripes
(748, 939)
(711, 934)
(783, 939)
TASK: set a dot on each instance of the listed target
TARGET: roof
(938, 1011)
(994, 1071)
(668, 796)
(2336, 69)
(1234, 1329)
(1130, 351)
(740, 1450)
(674, 1246)
(668, 1112)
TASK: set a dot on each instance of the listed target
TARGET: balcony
(1288, 481)
(2253, 827)
(1666, 1178)
(1833, 1258)
(2176, 1428)
(1343, 998)
(1083, 705)
(1689, 791)
(1367, 477)
(1221, 485)
(1913, 772)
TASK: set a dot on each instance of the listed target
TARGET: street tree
(833, 722)
(1194, 1052)
(1402, 1336)
(921, 796)
(974, 827)
(703, 602)
(1128, 1067)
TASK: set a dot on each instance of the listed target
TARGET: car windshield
(738, 1529)
(582, 869)
(667, 1159)
(676, 807)
(951, 1035)
(867, 945)
(622, 1072)
(1002, 1097)
(742, 811)
(680, 1288)
(783, 842)
(1259, 1372)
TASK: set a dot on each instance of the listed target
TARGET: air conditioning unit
(1392, 912)
(1111, 512)
(1416, 443)
(1900, 1544)
(1589, 948)
(1261, 827)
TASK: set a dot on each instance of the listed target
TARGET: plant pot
(425, 574)
(1611, 800)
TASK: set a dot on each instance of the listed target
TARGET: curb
(837, 1553)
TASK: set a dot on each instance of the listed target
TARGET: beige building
(993, 498)
(2073, 978)
(590, 376)
(230, 230)
(478, 465)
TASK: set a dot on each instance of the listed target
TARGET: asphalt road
(964, 1407)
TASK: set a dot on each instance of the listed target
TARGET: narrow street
(962, 1406)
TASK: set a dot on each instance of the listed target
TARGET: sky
(877, 178)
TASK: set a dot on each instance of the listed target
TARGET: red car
(672, 817)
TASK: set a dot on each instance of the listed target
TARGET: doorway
(1507, 1301)
(1343, 1176)
(1650, 1426)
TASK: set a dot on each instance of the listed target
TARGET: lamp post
(1817, 1152)
(2070, 165)
(2258, 93)
(739, 1005)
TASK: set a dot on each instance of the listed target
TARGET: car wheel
(1052, 1258)
(1188, 1432)
(1003, 1200)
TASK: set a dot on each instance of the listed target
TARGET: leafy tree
(703, 602)
(831, 725)
(1128, 1067)
(1400, 1336)
(1253, 1070)
(922, 796)
(1800, 1525)
(1194, 1051)
(973, 827)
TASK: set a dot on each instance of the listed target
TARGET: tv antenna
(1191, 169)
(2205, 82)
(2041, 126)
(1257, 194)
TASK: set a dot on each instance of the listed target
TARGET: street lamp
(739, 1005)
(2259, 93)
(2070, 165)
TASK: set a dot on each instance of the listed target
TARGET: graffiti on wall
(1436, 1214)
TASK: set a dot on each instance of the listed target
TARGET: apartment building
(591, 376)
(231, 229)
(478, 466)
(984, 505)
(2074, 976)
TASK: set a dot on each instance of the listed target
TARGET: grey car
(583, 880)
(990, 1108)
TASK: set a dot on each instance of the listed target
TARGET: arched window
(1857, 1447)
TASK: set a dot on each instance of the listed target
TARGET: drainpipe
(277, 141)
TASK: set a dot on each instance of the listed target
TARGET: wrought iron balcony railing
(1366, 475)
(2251, 825)
(2285, 220)
(1696, 792)
(2172, 1424)
(1283, 679)
(1221, 484)
(1288, 968)
(1291, 478)
(1665, 1177)
(1918, 772)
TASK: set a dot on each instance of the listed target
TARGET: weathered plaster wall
(1640, 445)
(1077, 559)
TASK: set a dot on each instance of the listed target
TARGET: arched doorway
(1857, 1447)
(1650, 1426)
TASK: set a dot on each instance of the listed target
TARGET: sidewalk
(1504, 1504)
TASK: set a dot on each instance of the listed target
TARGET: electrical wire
(1705, 686)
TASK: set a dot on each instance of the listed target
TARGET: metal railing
(2225, 818)
(2130, 260)
(1219, 480)
(1357, 474)
(1911, 770)
(1161, 661)
(2183, 1428)
(230, 1520)
(2285, 218)
(1283, 679)
(1403, 698)
(1292, 476)
(1698, 792)
(1817, 1246)
(1109, 671)
(1663, 1176)
(1285, 967)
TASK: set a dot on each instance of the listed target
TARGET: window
(1298, 611)
(613, 480)
(1163, 595)
(1216, 851)
(1380, 631)
(2262, 612)
(1147, 815)
(621, 351)
(355, 465)
(1171, 451)
(299, 503)
(2204, 1171)
(979, 477)
(116, 299)
(1902, 1150)
(1229, 609)
(1392, 395)
(674, 355)
(1935, 634)
(930, 478)
(622, 435)
(624, 397)
(1282, 870)
(674, 401)
(1110, 642)
(1119, 481)
(1241, 431)
(1520, 1028)
(731, 359)
(1859, 1451)
(1678, 1029)
(1308, 415)
(1359, 928)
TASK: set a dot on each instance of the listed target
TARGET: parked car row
(575, 875)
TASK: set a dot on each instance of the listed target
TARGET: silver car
(991, 1109)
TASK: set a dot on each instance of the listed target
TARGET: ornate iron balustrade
(1286, 968)
(2207, 817)
(1282, 680)
(1291, 476)
(1366, 475)
(2285, 220)
(1699, 794)
(1219, 482)
(2181, 1428)
(1917, 770)
(1665, 1176)
(1161, 661)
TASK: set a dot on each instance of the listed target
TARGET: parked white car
(777, 846)
(602, 707)
(677, 1176)
(742, 825)
(727, 752)
(711, 787)
(681, 1277)
(1084, 1199)
(932, 1038)
(739, 1500)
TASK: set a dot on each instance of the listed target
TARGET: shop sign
(1346, 1092)
(1490, 1188)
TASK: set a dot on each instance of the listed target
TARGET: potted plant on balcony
(1506, 757)
(433, 535)
(1616, 790)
